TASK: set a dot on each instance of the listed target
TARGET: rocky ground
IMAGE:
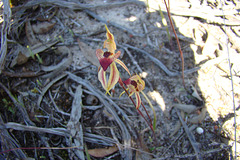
(54, 107)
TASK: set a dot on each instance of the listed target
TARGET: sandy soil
(193, 122)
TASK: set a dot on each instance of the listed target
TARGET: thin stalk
(178, 43)
(164, 22)
(154, 113)
(122, 85)
(232, 87)
(146, 112)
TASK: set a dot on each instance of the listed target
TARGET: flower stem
(151, 126)
(154, 113)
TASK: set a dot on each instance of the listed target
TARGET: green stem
(154, 113)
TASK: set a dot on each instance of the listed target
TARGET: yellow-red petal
(113, 77)
(102, 78)
(123, 65)
(138, 100)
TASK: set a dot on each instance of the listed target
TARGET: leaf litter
(65, 36)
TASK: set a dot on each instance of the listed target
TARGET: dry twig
(7, 142)
(125, 29)
(7, 13)
(125, 134)
(18, 105)
(44, 90)
(74, 125)
(76, 6)
(190, 136)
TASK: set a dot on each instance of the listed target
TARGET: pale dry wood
(8, 142)
(75, 5)
(60, 67)
(74, 124)
(232, 38)
(26, 74)
(93, 138)
(29, 33)
(155, 60)
(45, 89)
(190, 137)
(187, 108)
(110, 23)
(7, 14)
(125, 134)
(203, 12)
(56, 107)
(99, 139)
(20, 127)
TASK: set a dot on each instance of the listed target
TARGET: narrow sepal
(102, 78)
(113, 77)
(138, 100)
(123, 65)
(109, 43)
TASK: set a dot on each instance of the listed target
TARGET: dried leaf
(29, 34)
(88, 52)
(185, 107)
(42, 27)
(176, 129)
(22, 53)
(21, 58)
(195, 94)
(199, 118)
(102, 152)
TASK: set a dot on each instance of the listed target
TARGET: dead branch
(74, 125)
(44, 90)
(26, 74)
(155, 60)
(7, 14)
(20, 127)
(203, 12)
(18, 105)
(190, 136)
(125, 29)
(7, 142)
(60, 67)
(125, 134)
(56, 107)
(74, 5)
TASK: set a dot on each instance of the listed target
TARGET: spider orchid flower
(135, 85)
(107, 60)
